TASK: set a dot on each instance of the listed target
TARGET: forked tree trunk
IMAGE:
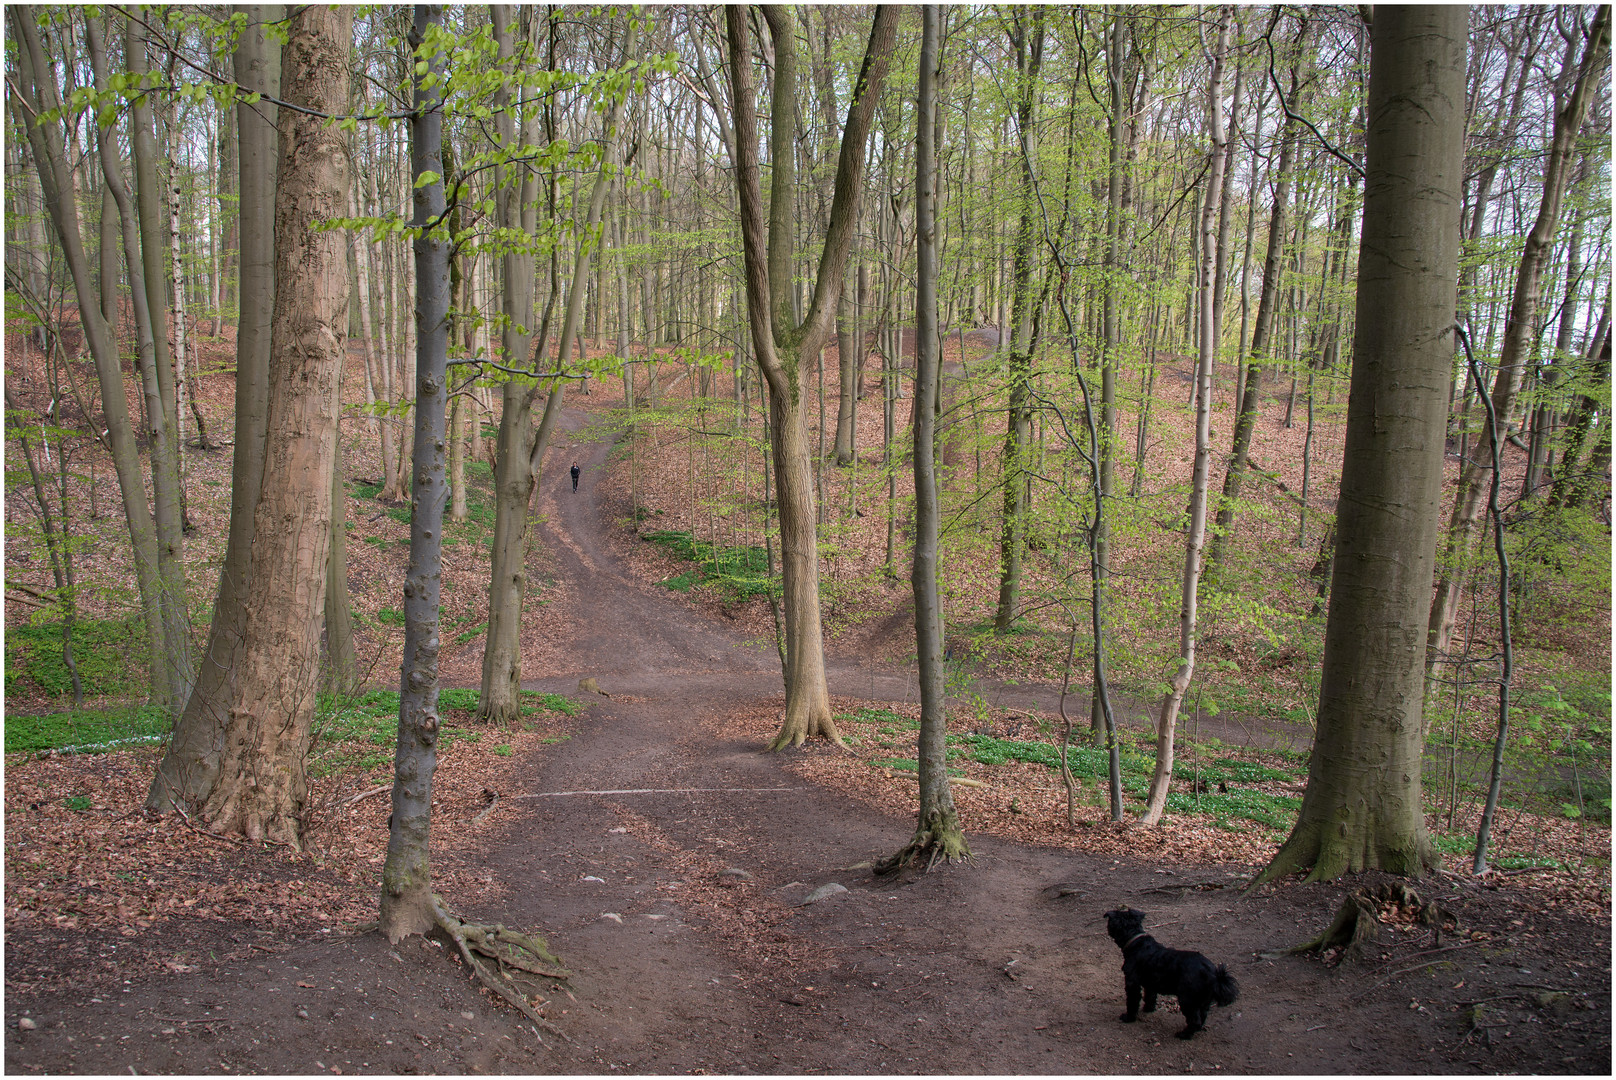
(783, 346)
(190, 765)
(1362, 809)
(1267, 317)
(407, 906)
(261, 788)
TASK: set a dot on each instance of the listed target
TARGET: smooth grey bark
(162, 409)
(190, 764)
(1362, 809)
(342, 666)
(937, 834)
(407, 906)
(56, 183)
(521, 449)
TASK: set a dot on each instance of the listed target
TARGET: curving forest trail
(668, 862)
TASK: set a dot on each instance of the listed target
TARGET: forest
(1099, 446)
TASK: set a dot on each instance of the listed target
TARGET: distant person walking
(575, 472)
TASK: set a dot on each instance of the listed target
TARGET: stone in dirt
(824, 892)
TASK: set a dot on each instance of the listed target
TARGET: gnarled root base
(499, 957)
(1357, 921)
(935, 840)
(797, 730)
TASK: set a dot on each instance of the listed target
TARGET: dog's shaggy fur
(1150, 968)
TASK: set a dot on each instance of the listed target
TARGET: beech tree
(781, 345)
(260, 787)
(1362, 808)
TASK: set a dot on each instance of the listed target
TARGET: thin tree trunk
(938, 833)
(1190, 581)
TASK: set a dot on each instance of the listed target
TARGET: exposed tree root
(1357, 920)
(510, 950)
(933, 841)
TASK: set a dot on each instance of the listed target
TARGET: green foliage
(741, 572)
(889, 722)
(106, 651)
(77, 802)
(89, 730)
(390, 617)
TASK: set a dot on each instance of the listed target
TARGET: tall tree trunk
(1029, 51)
(782, 346)
(407, 905)
(1362, 809)
(1521, 326)
(190, 765)
(516, 207)
(46, 142)
(1190, 581)
(162, 412)
(938, 833)
(262, 787)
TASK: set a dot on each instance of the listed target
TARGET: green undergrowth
(109, 654)
(89, 730)
(359, 732)
(739, 572)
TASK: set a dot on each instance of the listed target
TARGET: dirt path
(668, 864)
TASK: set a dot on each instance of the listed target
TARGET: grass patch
(742, 572)
(90, 729)
(887, 720)
(108, 653)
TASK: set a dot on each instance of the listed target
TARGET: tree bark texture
(190, 765)
(1362, 808)
(261, 786)
(407, 906)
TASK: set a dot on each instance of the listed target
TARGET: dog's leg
(1194, 1019)
(1150, 1000)
(1133, 1003)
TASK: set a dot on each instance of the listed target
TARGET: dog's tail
(1225, 991)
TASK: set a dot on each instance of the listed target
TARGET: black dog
(1151, 968)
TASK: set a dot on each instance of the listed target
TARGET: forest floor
(679, 872)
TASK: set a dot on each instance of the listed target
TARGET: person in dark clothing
(575, 471)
